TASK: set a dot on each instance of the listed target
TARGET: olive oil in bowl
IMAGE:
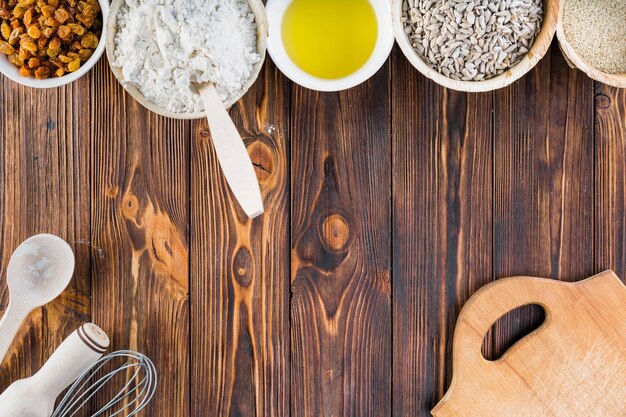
(330, 39)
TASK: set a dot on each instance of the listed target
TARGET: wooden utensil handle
(495, 300)
(9, 326)
(232, 154)
(74, 356)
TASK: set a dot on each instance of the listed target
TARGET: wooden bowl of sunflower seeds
(474, 45)
(593, 39)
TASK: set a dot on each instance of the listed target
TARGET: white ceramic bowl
(11, 71)
(276, 48)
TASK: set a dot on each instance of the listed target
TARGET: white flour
(163, 46)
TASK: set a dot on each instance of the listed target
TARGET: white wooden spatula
(232, 153)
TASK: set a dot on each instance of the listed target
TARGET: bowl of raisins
(50, 43)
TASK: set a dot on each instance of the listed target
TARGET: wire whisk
(132, 384)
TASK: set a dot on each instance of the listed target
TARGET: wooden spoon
(232, 153)
(38, 272)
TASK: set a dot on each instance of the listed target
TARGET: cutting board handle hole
(510, 329)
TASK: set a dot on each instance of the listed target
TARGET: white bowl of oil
(329, 45)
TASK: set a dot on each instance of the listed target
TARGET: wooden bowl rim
(615, 80)
(260, 17)
(537, 52)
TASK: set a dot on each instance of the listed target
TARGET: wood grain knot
(335, 232)
(112, 191)
(263, 159)
(243, 267)
(603, 101)
(130, 206)
(205, 133)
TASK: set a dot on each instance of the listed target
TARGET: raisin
(19, 12)
(34, 63)
(85, 20)
(77, 28)
(34, 32)
(28, 17)
(52, 22)
(56, 62)
(47, 32)
(15, 60)
(24, 54)
(24, 71)
(55, 43)
(89, 41)
(42, 73)
(6, 48)
(90, 11)
(64, 32)
(61, 15)
(85, 54)
(5, 30)
(74, 65)
(48, 11)
(28, 43)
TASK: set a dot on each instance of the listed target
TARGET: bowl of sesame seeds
(474, 45)
(593, 39)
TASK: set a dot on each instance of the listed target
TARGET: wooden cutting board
(574, 364)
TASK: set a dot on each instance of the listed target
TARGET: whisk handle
(75, 356)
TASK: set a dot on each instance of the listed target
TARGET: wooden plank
(340, 311)
(44, 166)
(543, 207)
(140, 216)
(442, 207)
(240, 268)
(610, 185)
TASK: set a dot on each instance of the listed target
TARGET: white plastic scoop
(38, 272)
(232, 153)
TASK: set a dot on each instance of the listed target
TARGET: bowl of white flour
(160, 49)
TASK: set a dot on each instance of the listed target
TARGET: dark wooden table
(388, 205)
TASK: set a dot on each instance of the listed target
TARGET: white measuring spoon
(232, 153)
(38, 272)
